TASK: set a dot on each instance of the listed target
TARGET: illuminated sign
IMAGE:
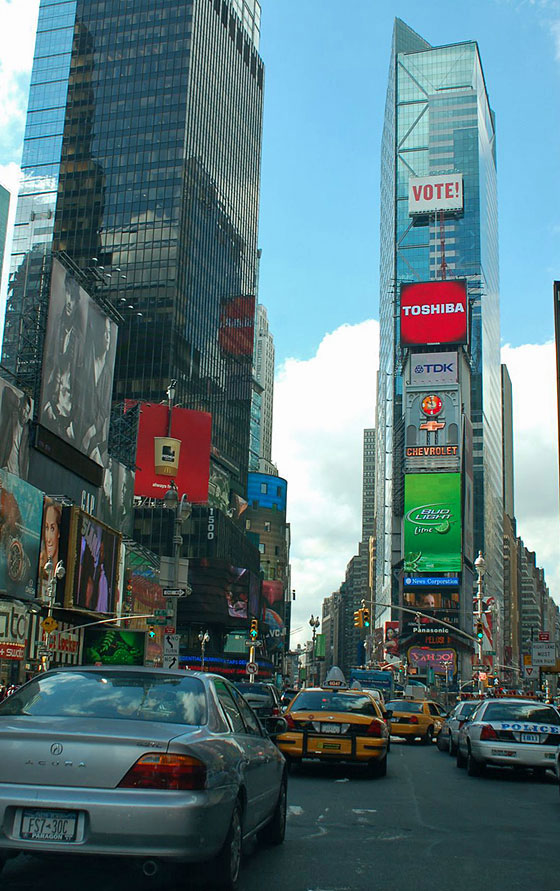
(428, 194)
(433, 312)
(432, 522)
(433, 368)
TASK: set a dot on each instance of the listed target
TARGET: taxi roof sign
(335, 678)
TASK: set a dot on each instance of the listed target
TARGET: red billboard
(237, 326)
(434, 313)
(191, 431)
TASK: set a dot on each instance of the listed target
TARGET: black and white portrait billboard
(16, 411)
(78, 366)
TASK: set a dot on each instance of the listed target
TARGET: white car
(510, 733)
(449, 733)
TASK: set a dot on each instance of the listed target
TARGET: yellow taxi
(334, 723)
(415, 719)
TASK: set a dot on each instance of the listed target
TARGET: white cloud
(555, 31)
(18, 17)
(321, 407)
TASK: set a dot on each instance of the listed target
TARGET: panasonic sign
(433, 368)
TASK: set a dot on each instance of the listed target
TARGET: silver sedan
(510, 733)
(159, 766)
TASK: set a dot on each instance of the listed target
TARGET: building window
(262, 547)
(267, 525)
(247, 524)
(264, 488)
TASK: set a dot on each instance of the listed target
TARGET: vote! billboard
(433, 313)
(433, 194)
(432, 522)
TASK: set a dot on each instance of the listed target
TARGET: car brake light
(461, 724)
(290, 722)
(412, 719)
(488, 732)
(377, 729)
(165, 772)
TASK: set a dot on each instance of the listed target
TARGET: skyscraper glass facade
(142, 165)
(438, 120)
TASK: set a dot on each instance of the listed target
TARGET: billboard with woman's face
(94, 563)
(21, 508)
(54, 547)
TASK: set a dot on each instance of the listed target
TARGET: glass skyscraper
(438, 121)
(141, 165)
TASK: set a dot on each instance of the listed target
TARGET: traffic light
(365, 614)
(254, 631)
(479, 631)
(151, 631)
(359, 618)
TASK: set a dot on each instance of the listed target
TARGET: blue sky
(326, 74)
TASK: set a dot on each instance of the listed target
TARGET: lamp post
(203, 637)
(480, 566)
(182, 509)
(314, 621)
(53, 574)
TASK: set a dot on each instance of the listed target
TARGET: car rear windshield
(403, 705)
(165, 699)
(255, 689)
(466, 709)
(333, 701)
(521, 711)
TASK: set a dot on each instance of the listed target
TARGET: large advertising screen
(116, 497)
(54, 547)
(432, 522)
(78, 366)
(428, 194)
(94, 564)
(237, 325)
(16, 412)
(221, 593)
(112, 646)
(21, 510)
(434, 313)
(191, 432)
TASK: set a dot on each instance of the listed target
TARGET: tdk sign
(433, 368)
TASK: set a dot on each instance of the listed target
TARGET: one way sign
(170, 661)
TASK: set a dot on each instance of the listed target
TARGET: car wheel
(378, 767)
(228, 862)
(474, 768)
(461, 760)
(428, 736)
(442, 742)
(274, 832)
(452, 747)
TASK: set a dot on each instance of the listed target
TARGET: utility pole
(480, 566)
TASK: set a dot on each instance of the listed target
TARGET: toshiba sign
(434, 313)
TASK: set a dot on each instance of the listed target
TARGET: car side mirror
(274, 725)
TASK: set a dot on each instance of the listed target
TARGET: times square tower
(439, 494)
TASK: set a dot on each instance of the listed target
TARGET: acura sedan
(147, 764)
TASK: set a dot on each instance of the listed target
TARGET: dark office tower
(142, 166)
(438, 136)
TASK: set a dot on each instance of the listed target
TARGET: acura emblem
(56, 749)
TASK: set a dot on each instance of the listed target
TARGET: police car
(510, 733)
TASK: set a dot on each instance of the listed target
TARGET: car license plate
(530, 737)
(330, 728)
(39, 825)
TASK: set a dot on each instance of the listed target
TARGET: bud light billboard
(434, 313)
(432, 522)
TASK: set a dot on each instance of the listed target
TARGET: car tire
(442, 746)
(228, 862)
(274, 832)
(474, 768)
(461, 760)
(428, 736)
(452, 747)
(378, 768)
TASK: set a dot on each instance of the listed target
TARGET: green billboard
(432, 522)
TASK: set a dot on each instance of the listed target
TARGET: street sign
(171, 644)
(170, 629)
(544, 653)
(253, 643)
(43, 651)
(252, 668)
(49, 624)
(174, 592)
(544, 635)
(159, 620)
(170, 660)
(530, 671)
(160, 612)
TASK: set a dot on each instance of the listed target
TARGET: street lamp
(314, 621)
(480, 566)
(182, 509)
(53, 573)
(203, 637)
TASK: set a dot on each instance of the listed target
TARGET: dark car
(264, 699)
